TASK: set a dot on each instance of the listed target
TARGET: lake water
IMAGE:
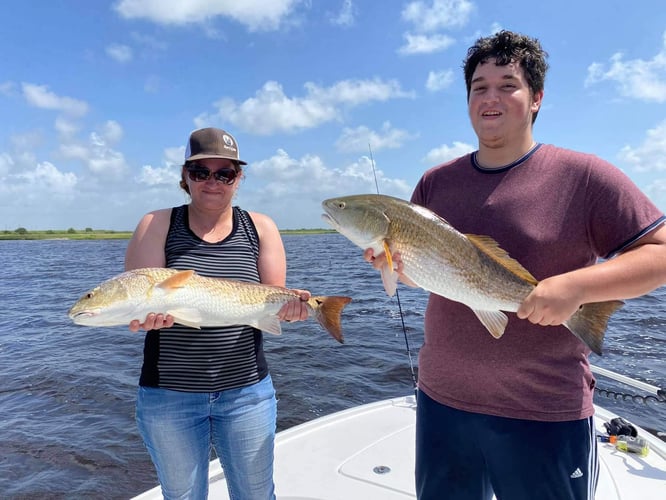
(67, 392)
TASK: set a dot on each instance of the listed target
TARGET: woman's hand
(152, 322)
(297, 309)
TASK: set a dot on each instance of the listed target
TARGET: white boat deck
(367, 453)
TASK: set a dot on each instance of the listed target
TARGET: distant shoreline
(101, 234)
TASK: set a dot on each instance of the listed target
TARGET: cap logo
(212, 143)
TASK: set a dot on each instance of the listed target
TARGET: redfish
(466, 268)
(197, 301)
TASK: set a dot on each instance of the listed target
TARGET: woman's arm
(272, 265)
(146, 249)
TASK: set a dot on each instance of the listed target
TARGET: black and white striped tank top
(215, 358)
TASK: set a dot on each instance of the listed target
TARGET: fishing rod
(397, 295)
(658, 393)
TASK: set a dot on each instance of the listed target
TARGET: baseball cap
(212, 143)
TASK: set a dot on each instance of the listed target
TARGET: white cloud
(49, 178)
(280, 170)
(256, 15)
(357, 140)
(271, 110)
(65, 127)
(164, 176)
(105, 160)
(26, 141)
(346, 15)
(637, 78)
(174, 156)
(445, 153)
(48, 198)
(495, 28)
(355, 92)
(474, 36)
(439, 80)
(428, 19)
(656, 191)
(440, 14)
(6, 164)
(97, 154)
(167, 176)
(307, 179)
(650, 156)
(149, 41)
(120, 53)
(112, 132)
(7, 88)
(40, 194)
(32, 193)
(425, 44)
(40, 96)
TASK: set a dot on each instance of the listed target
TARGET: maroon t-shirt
(554, 211)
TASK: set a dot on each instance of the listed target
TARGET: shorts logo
(576, 474)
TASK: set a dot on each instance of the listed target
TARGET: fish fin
(494, 321)
(492, 249)
(269, 324)
(387, 252)
(390, 280)
(187, 317)
(327, 311)
(178, 280)
(389, 275)
(590, 321)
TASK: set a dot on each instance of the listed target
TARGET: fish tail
(327, 311)
(590, 321)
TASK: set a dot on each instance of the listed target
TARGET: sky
(325, 98)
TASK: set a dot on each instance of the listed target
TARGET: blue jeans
(178, 429)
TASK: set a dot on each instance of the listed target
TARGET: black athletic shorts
(470, 456)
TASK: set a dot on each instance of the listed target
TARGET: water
(67, 392)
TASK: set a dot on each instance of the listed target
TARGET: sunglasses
(200, 173)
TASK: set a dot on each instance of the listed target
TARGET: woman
(209, 387)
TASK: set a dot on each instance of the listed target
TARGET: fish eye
(90, 295)
(341, 204)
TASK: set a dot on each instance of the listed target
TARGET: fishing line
(397, 295)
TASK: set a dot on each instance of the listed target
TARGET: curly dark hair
(506, 47)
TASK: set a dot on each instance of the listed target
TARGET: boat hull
(367, 452)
